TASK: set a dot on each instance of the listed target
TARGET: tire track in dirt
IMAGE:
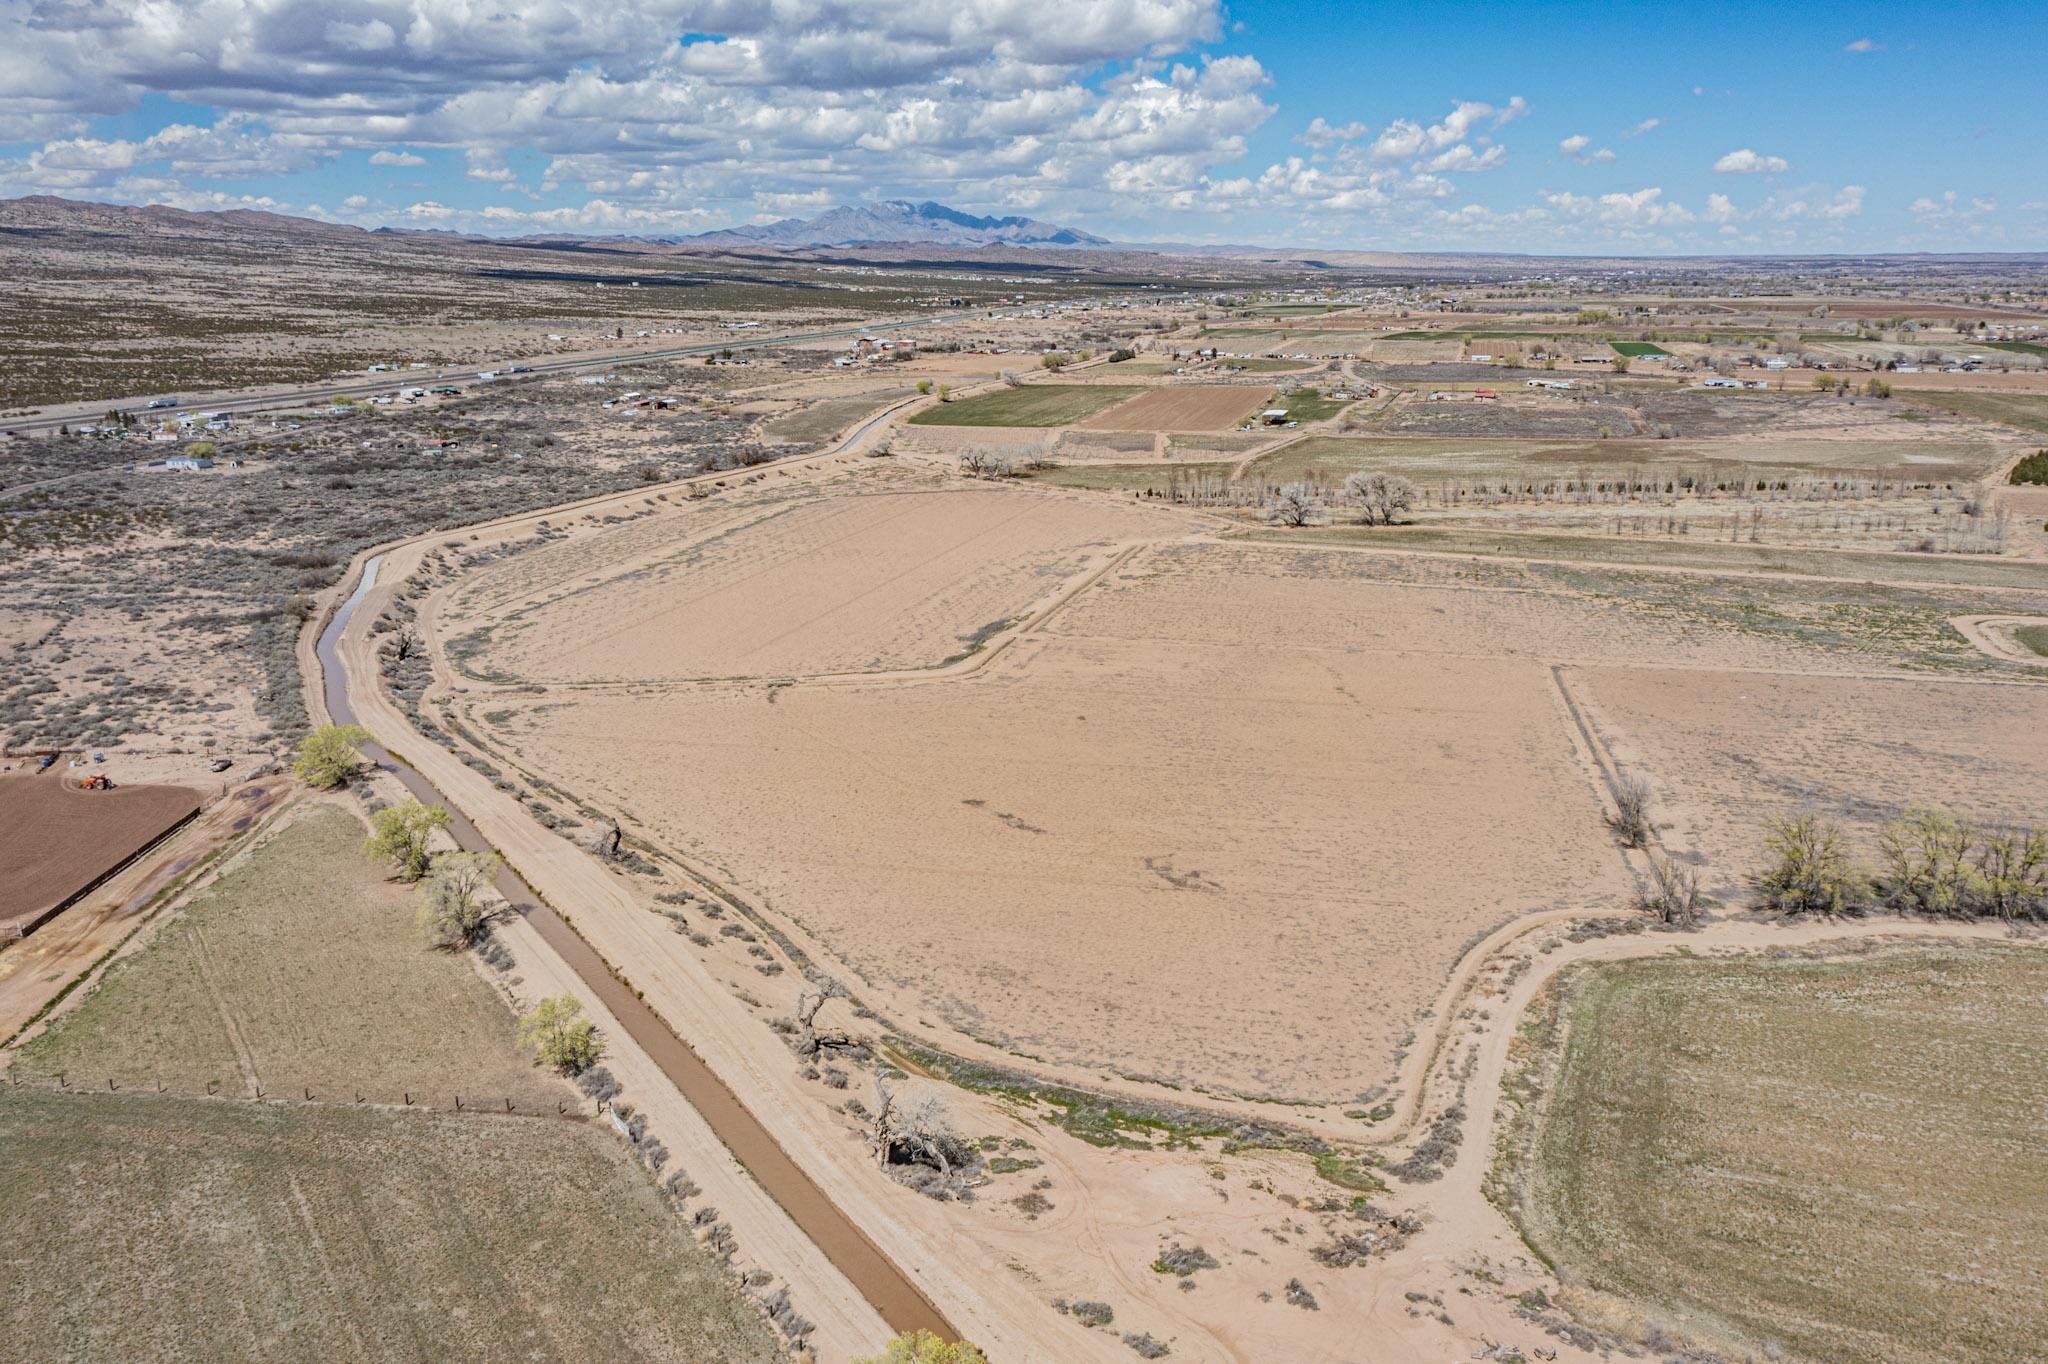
(244, 1057)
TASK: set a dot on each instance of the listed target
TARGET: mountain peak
(901, 221)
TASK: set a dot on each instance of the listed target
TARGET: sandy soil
(1186, 407)
(1725, 750)
(903, 576)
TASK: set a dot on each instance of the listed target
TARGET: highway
(373, 384)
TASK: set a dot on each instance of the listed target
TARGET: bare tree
(808, 1004)
(1293, 505)
(454, 912)
(1383, 496)
(1631, 817)
(981, 461)
(1674, 894)
(916, 1133)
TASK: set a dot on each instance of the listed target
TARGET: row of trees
(1929, 862)
(1378, 497)
(457, 903)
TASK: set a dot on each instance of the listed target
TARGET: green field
(2033, 637)
(140, 1227)
(2017, 347)
(1845, 1158)
(1309, 405)
(1637, 349)
(300, 968)
(1030, 405)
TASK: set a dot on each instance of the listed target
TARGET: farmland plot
(1839, 1157)
(887, 579)
(1189, 407)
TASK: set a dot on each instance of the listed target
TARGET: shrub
(559, 1036)
(1146, 1346)
(1183, 1260)
(1631, 818)
(1093, 1313)
(1811, 872)
(330, 755)
(598, 1083)
(2032, 469)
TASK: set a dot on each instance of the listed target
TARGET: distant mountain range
(898, 221)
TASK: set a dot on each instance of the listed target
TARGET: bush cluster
(1930, 861)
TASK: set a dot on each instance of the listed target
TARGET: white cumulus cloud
(1747, 162)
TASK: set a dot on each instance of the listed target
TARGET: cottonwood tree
(1926, 862)
(922, 1347)
(457, 904)
(401, 834)
(330, 755)
(1293, 505)
(1810, 872)
(559, 1036)
(1383, 496)
(2013, 873)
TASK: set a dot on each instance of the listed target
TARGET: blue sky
(1540, 126)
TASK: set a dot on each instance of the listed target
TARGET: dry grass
(1186, 407)
(171, 1228)
(1845, 1157)
(299, 969)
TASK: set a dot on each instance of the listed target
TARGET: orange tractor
(98, 781)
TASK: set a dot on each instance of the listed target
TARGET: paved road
(360, 385)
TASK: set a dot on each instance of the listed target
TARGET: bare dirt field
(61, 839)
(907, 575)
(1191, 407)
(1096, 850)
(1726, 750)
(1835, 1158)
(1037, 855)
